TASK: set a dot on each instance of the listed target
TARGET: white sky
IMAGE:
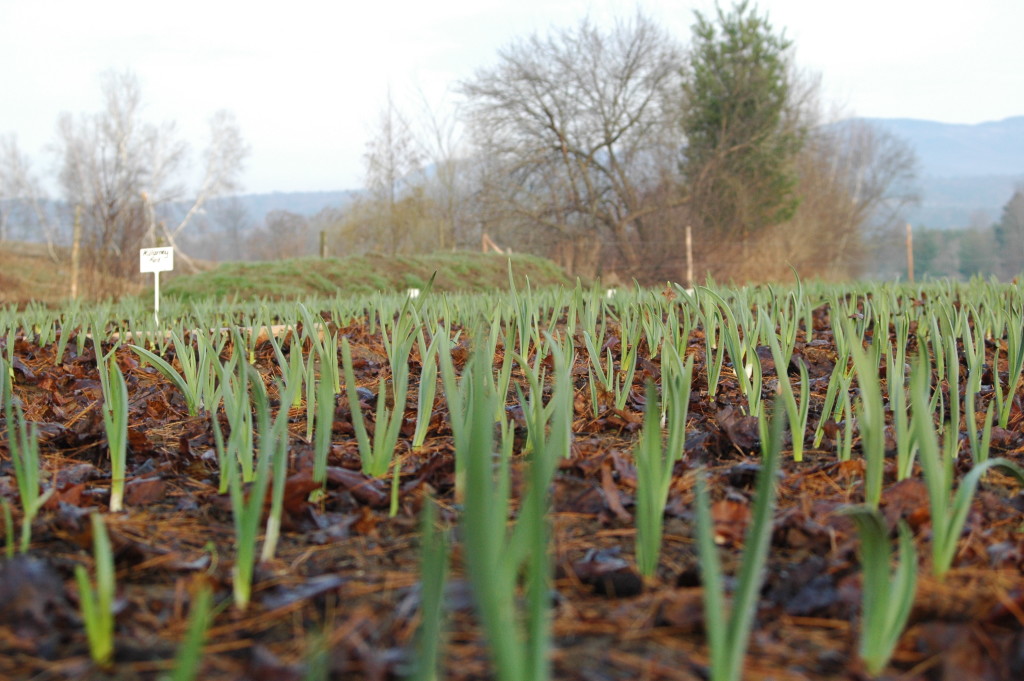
(306, 78)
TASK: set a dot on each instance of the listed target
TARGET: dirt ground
(344, 583)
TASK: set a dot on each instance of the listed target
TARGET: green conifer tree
(741, 134)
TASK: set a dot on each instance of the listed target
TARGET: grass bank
(301, 277)
(29, 273)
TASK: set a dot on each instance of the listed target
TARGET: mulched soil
(346, 574)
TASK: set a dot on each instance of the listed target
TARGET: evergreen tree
(741, 134)
(1009, 233)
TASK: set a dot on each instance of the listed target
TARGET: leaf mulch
(345, 578)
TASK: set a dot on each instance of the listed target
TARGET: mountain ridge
(989, 148)
(968, 172)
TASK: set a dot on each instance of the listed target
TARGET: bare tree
(109, 160)
(576, 131)
(124, 173)
(857, 180)
(393, 163)
(446, 186)
(283, 235)
(22, 199)
(233, 219)
(220, 231)
(361, 226)
(223, 158)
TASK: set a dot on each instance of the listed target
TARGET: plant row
(932, 368)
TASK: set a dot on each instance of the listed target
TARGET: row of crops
(916, 381)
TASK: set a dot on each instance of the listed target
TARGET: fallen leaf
(143, 491)
(608, 574)
(730, 518)
(683, 609)
(281, 596)
(362, 487)
(743, 431)
(612, 492)
(367, 522)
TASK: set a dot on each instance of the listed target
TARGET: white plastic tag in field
(156, 260)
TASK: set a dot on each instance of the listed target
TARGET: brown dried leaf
(367, 522)
(297, 489)
(743, 431)
(144, 491)
(608, 574)
(30, 595)
(611, 492)
(368, 490)
(730, 519)
(69, 494)
(684, 610)
(907, 499)
(138, 441)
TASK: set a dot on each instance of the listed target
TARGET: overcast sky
(307, 78)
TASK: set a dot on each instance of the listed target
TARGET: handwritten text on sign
(156, 259)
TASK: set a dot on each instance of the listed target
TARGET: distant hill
(257, 206)
(957, 150)
(967, 172)
(955, 202)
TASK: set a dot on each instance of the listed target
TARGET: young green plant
(433, 574)
(195, 367)
(871, 422)
(654, 463)
(728, 635)
(714, 347)
(97, 602)
(886, 601)
(23, 446)
(949, 511)
(246, 510)
(237, 451)
(742, 349)
(274, 444)
(115, 422)
(495, 557)
(324, 427)
(1014, 362)
(427, 385)
(974, 352)
(190, 653)
(8, 529)
(797, 412)
(376, 455)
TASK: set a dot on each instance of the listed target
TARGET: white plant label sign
(156, 260)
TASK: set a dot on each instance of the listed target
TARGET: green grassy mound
(301, 277)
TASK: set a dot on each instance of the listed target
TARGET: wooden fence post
(910, 254)
(689, 257)
(76, 238)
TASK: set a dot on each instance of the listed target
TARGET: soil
(345, 578)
